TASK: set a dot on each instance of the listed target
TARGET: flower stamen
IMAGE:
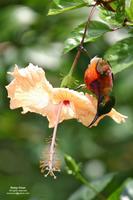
(51, 164)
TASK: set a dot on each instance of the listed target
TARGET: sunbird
(98, 78)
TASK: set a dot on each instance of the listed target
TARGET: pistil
(52, 165)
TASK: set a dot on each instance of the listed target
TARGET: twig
(75, 62)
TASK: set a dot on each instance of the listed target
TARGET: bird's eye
(102, 68)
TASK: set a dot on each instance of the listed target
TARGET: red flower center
(66, 102)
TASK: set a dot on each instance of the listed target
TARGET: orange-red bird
(99, 80)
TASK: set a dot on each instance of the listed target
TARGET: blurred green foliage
(29, 35)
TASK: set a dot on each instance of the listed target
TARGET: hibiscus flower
(32, 91)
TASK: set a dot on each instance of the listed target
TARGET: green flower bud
(68, 81)
(72, 166)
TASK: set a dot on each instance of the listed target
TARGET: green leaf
(114, 18)
(128, 190)
(120, 55)
(84, 193)
(124, 191)
(115, 195)
(105, 187)
(95, 30)
(89, 2)
(129, 9)
(60, 6)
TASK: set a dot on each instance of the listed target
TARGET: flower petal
(29, 89)
(116, 116)
(80, 107)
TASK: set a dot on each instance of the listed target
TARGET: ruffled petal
(29, 89)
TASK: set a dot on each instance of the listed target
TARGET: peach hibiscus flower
(30, 90)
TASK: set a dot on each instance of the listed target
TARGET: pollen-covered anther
(46, 166)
